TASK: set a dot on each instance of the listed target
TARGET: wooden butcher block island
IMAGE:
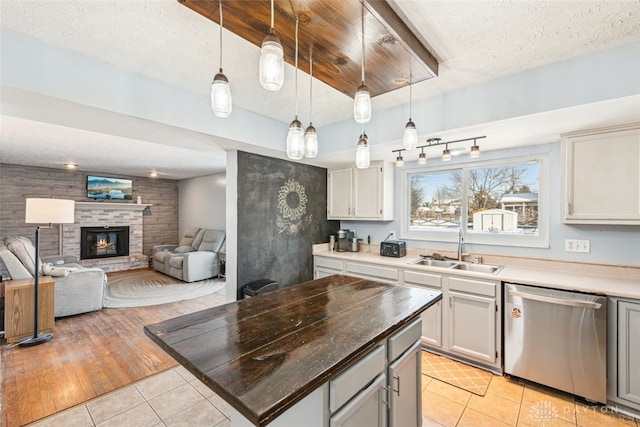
(317, 353)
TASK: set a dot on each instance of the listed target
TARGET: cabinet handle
(450, 301)
(570, 208)
(385, 396)
(397, 378)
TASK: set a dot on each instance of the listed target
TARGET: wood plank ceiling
(332, 29)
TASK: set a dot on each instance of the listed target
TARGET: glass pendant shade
(446, 155)
(422, 159)
(221, 103)
(363, 156)
(310, 142)
(362, 105)
(271, 62)
(399, 161)
(475, 151)
(295, 140)
(410, 137)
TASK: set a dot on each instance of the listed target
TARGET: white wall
(202, 202)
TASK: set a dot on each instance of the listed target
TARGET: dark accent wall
(160, 225)
(282, 211)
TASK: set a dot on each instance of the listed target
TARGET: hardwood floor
(90, 354)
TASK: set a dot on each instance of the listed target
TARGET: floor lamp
(43, 211)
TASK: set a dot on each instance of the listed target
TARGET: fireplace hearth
(104, 242)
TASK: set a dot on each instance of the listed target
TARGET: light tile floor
(177, 398)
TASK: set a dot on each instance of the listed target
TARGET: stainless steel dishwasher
(557, 338)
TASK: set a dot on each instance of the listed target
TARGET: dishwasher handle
(558, 301)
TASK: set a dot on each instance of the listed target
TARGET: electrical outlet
(575, 245)
(392, 235)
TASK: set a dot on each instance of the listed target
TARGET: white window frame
(539, 241)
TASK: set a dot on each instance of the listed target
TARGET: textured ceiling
(474, 41)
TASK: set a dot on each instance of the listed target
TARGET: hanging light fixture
(422, 158)
(220, 90)
(363, 156)
(295, 137)
(362, 100)
(310, 134)
(446, 153)
(410, 137)
(271, 60)
(399, 159)
(475, 150)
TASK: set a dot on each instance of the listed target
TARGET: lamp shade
(221, 102)
(362, 105)
(49, 211)
(271, 63)
(295, 140)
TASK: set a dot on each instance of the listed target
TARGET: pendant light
(271, 60)
(422, 157)
(362, 100)
(221, 103)
(310, 134)
(295, 137)
(363, 156)
(410, 137)
(446, 153)
(475, 150)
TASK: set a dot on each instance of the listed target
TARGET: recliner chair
(196, 258)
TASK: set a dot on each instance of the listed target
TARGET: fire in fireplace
(103, 242)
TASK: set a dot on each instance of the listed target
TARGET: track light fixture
(446, 153)
(399, 159)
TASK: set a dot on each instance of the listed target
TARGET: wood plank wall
(19, 182)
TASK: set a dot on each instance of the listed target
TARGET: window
(499, 202)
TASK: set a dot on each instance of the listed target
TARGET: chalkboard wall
(282, 211)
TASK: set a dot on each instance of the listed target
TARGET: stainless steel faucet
(461, 253)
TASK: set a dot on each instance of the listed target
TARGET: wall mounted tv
(103, 187)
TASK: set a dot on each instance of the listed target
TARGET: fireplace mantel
(112, 206)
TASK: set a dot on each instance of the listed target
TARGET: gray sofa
(194, 258)
(77, 290)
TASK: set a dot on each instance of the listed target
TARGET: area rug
(457, 374)
(148, 287)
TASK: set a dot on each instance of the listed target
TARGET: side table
(18, 307)
(222, 265)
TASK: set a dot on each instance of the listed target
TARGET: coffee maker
(343, 240)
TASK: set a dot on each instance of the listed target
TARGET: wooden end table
(18, 307)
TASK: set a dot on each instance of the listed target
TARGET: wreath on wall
(292, 203)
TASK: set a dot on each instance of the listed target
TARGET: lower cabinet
(371, 271)
(623, 353)
(324, 267)
(384, 387)
(431, 317)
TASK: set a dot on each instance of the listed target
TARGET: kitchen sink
(434, 263)
(480, 268)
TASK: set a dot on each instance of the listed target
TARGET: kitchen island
(273, 357)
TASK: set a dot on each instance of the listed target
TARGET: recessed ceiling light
(71, 165)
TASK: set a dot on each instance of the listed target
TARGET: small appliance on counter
(344, 240)
(393, 248)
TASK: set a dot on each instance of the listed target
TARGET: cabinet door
(321, 272)
(367, 408)
(339, 194)
(472, 326)
(405, 403)
(367, 193)
(629, 351)
(603, 176)
(432, 316)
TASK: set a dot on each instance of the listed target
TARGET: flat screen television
(104, 187)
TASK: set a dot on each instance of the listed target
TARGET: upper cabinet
(602, 176)
(365, 194)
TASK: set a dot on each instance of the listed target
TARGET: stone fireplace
(98, 215)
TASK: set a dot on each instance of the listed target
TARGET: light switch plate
(575, 245)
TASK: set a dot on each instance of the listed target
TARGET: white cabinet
(432, 316)
(466, 323)
(361, 193)
(602, 176)
(371, 271)
(623, 353)
(404, 374)
(472, 317)
(324, 267)
(367, 408)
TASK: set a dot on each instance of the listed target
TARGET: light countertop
(605, 280)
